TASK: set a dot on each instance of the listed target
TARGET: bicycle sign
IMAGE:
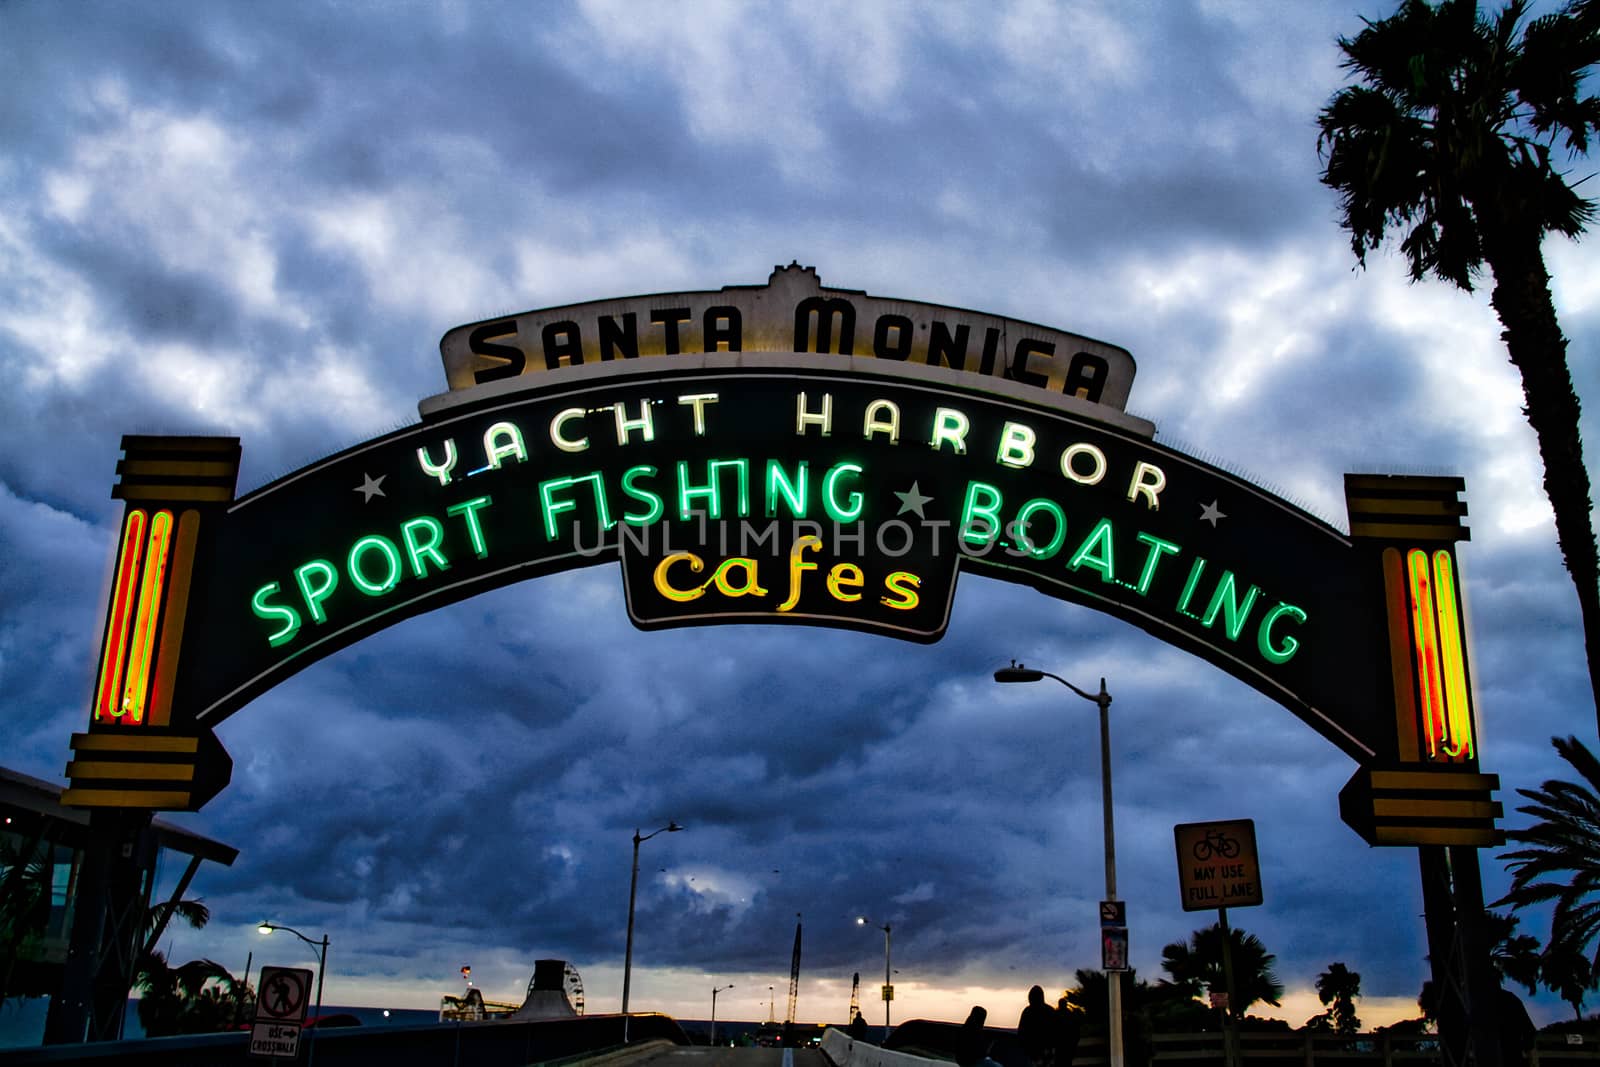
(1217, 864)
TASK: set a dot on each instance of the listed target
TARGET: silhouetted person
(1036, 1029)
(972, 1047)
(858, 1027)
(1067, 1027)
(1516, 1029)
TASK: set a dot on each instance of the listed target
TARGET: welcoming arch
(786, 453)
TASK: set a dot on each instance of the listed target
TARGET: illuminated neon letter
(1283, 651)
(850, 510)
(1457, 744)
(1096, 552)
(654, 508)
(711, 491)
(391, 557)
(264, 610)
(1225, 601)
(699, 401)
(1016, 446)
(950, 427)
(1148, 480)
(888, 422)
(144, 627)
(822, 418)
(1069, 467)
(558, 427)
(988, 511)
(1020, 524)
(419, 550)
(644, 423)
(551, 507)
(1158, 548)
(122, 607)
(798, 566)
(751, 586)
(667, 590)
(468, 510)
(902, 586)
(845, 576)
(790, 491)
(317, 581)
(440, 471)
(497, 450)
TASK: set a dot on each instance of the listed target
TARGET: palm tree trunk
(1521, 299)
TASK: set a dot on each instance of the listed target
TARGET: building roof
(28, 803)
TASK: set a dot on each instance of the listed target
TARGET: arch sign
(785, 453)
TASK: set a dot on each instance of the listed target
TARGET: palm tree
(1562, 865)
(24, 906)
(1448, 139)
(1197, 963)
(1569, 974)
(1515, 956)
(1337, 988)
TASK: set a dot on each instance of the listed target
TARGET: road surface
(702, 1056)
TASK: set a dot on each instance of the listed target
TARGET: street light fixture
(712, 1040)
(888, 980)
(633, 889)
(1018, 672)
(322, 967)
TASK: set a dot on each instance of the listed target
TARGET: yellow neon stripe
(125, 798)
(134, 743)
(105, 706)
(1458, 722)
(173, 617)
(153, 772)
(1425, 643)
(144, 629)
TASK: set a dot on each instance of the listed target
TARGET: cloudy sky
(258, 220)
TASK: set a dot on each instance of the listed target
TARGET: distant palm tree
(1516, 956)
(1562, 865)
(24, 906)
(1197, 964)
(1337, 988)
(1449, 139)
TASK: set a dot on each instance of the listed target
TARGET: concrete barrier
(845, 1051)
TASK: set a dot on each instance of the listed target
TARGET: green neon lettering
(419, 549)
(792, 491)
(1019, 527)
(1226, 601)
(1284, 650)
(850, 511)
(654, 508)
(497, 450)
(315, 594)
(391, 556)
(1096, 552)
(440, 471)
(468, 510)
(1195, 570)
(711, 491)
(1158, 548)
(263, 610)
(551, 507)
(988, 511)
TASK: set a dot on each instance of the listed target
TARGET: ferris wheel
(572, 984)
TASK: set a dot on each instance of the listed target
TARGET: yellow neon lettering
(797, 567)
(845, 576)
(902, 588)
(667, 589)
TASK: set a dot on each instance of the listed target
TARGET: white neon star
(913, 500)
(1211, 513)
(370, 487)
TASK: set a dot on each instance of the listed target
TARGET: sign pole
(1230, 1028)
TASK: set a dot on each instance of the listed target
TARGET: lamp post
(712, 1040)
(888, 980)
(1020, 673)
(672, 827)
(322, 967)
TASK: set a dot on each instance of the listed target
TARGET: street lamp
(1019, 673)
(888, 981)
(633, 888)
(322, 967)
(712, 1040)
